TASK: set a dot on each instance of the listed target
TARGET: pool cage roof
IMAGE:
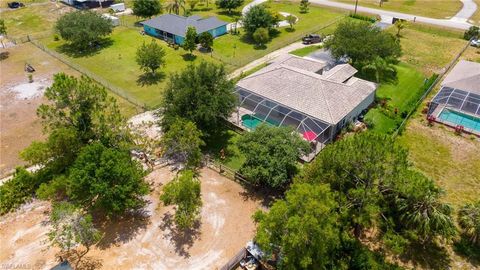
(458, 99)
(276, 114)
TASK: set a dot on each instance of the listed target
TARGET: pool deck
(236, 119)
(439, 110)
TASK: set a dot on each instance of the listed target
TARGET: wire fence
(113, 88)
(402, 125)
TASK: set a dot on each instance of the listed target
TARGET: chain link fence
(115, 89)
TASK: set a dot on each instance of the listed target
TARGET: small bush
(56, 37)
(17, 190)
(472, 32)
(363, 17)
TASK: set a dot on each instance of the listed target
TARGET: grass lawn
(33, 20)
(451, 160)
(401, 95)
(227, 141)
(306, 50)
(238, 51)
(429, 49)
(440, 9)
(475, 19)
(116, 64)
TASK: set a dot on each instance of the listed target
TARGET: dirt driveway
(148, 241)
(19, 100)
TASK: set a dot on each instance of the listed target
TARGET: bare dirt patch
(19, 100)
(148, 240)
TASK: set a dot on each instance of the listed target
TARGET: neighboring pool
(458, 118)
(251, 122)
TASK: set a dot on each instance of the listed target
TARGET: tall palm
(469, 221)
(380, 67)
(427, 216)
(175, 6)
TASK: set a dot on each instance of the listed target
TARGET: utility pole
(356, 5)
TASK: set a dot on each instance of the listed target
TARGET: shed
(118, 7)
(115, 21)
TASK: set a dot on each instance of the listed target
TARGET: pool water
(251, 122)
(457, 118)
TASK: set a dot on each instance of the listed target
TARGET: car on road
(311, 39)
(15, 4)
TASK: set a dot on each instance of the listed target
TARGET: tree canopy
(184, 192)
(182, 143)
(83, 29)
(469, 221)
(301, 229)
(270, 155)
(363, 43)
(106, 179)
(206, 40)
(146, 8)
(229, 4)
(150, 57)
(304, 6)
(201, 94)
(258, 17)
(261, 36)
(3, 28)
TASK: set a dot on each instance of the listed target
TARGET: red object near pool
(309, 135)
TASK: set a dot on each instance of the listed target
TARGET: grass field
(239, 51)
(227, 141)
(476, 16)
(429, 49)
(400, 95)
(439, 9)
(116, 63)
(306, 50)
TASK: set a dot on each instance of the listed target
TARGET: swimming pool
(251, 122)
(458, 118)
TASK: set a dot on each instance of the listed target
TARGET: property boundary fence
(429, 89)
(235, 260)
(226, 171)
(115, 89)
(240, 62)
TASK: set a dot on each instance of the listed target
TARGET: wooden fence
(235, 260)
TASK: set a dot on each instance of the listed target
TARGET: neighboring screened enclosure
(457, 99)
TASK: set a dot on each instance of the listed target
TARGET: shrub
(261, 36)
(363, 17)
(472, 32)
(17, 190)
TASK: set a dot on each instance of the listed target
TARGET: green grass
(116, 64)
(440, 9)
(238, 50)
(401, 95)
(306, 50)
(226, 140)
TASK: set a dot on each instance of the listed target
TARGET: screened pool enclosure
(254, 109)
(464, 105)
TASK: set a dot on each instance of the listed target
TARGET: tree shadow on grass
(234, 13)
(150, 78)
(73, 51)
(290, 30)
(467, 250)
(189, 57)
(121, 230)
(183, 239)
(428, 256)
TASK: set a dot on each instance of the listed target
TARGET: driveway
(459, 21)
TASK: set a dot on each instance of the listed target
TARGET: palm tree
(469, 221)
(427, 216)
(175, 6)
(380, 67)
(400, 24)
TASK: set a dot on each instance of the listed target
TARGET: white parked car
(475, 43)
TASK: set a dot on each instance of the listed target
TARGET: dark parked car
(311, 38)
(15, 4)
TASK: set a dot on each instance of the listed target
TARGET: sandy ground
(19, 99)
(147, 241)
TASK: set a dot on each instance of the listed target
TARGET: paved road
(468, 9)
(454, 22)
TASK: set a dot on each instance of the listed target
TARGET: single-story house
(86, 4)
(304, 94)
(173, 28)
(457, 104)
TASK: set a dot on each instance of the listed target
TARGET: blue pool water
(457, 118)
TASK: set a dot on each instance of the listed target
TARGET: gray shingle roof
(178, 25)
(464, 76)
(340, 73)
(308, 92)
(311, 65)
